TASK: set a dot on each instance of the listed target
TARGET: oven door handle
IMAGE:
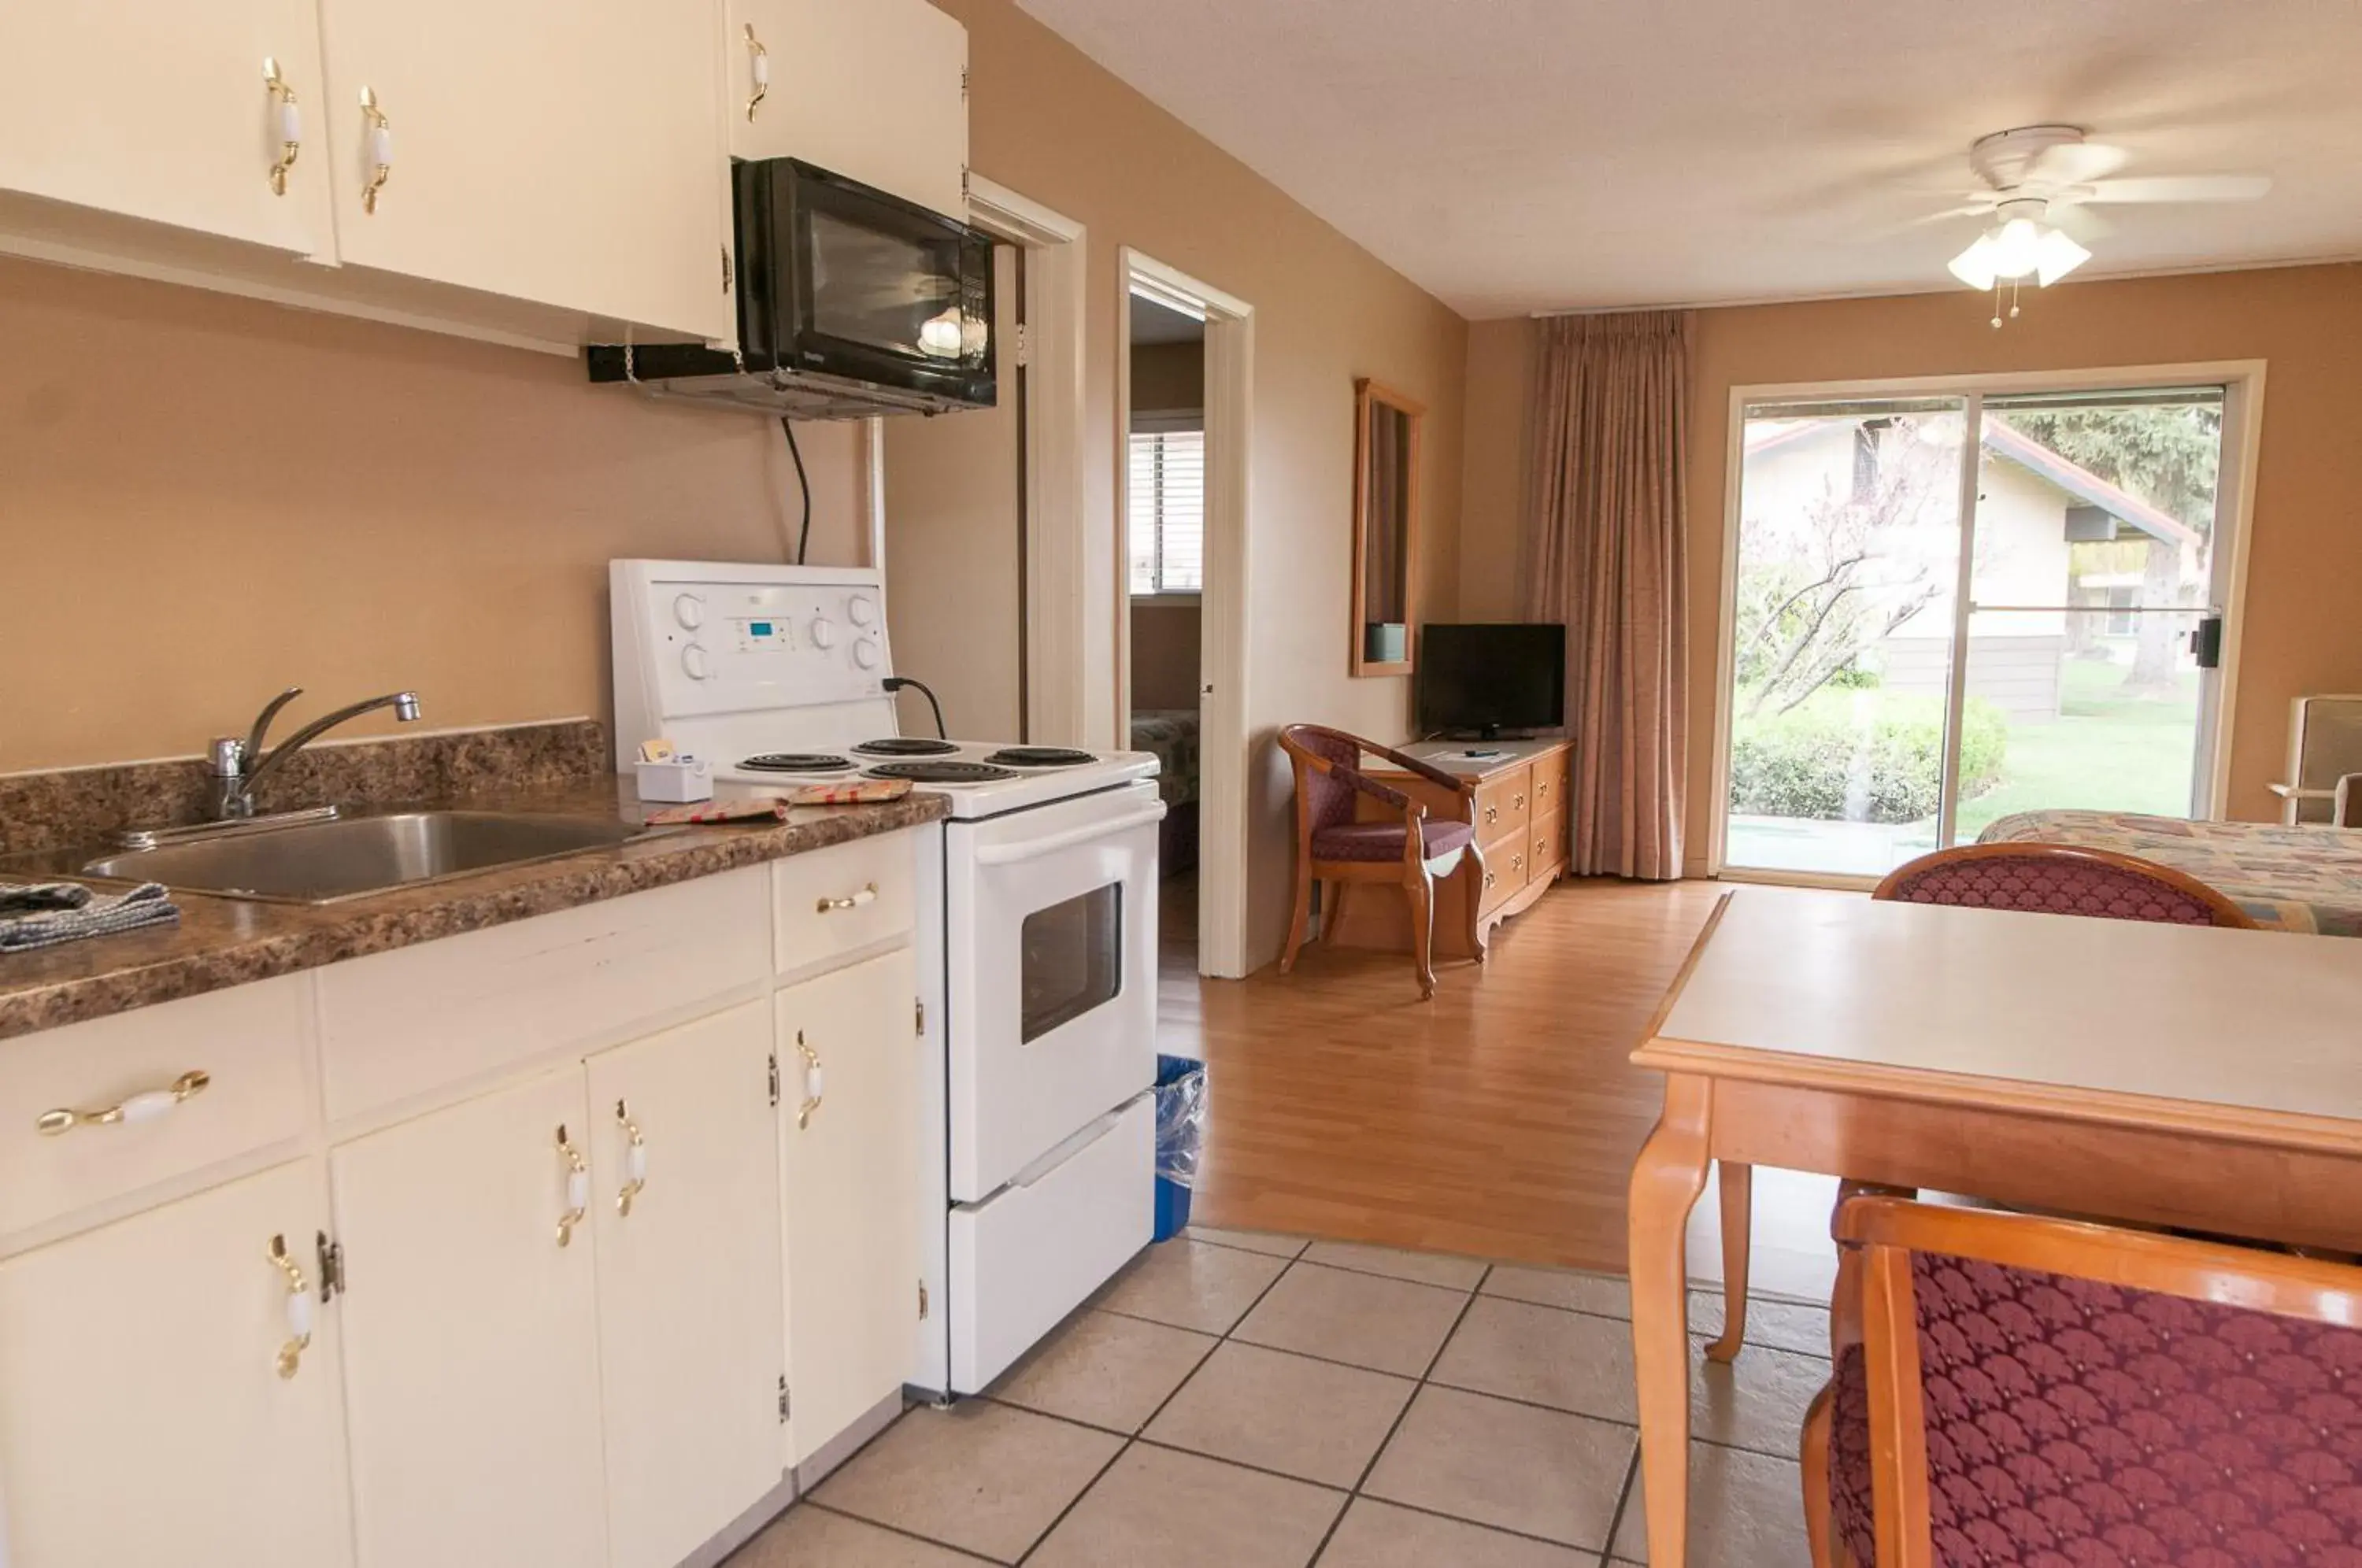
(1033, 848)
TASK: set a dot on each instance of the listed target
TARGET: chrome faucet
(239, 765)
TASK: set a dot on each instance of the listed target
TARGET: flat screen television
(1487, 680)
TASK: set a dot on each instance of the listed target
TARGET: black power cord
(803, 534)
(896, 683)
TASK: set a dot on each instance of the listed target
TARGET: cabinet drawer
(1505, 859)
(1503, 804)
(841, 899)
(1550, 785)
(1548, 847)
(395, 1025)
(248, 1039)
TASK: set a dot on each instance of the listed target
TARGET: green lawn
(2106, 750)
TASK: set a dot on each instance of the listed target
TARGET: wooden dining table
(2164, 1075)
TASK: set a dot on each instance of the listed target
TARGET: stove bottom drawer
(1028, 1255)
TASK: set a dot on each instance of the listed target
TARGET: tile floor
(1242, 1400)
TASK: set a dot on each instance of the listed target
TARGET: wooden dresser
(1514, 794)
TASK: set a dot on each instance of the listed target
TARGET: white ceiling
(1521, 155)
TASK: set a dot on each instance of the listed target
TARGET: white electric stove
(1036, 939)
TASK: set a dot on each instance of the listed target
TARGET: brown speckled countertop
(223, 941)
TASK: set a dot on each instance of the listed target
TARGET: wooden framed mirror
(1385, 527)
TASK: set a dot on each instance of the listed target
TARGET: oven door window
(1071, 959)
(898, 293)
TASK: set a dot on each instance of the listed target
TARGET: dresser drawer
(1550, 785)
(835, 901)
(1503, 804)
(1505, 859)
(247, 1042)
(397, 1025)
(1549, 848)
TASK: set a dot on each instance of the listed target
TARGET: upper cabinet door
(161, 109)
(144, 1416)
(685, 1158)
(874, 90)
(557, 152)
(472, 1360)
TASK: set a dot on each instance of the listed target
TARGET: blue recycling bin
(1180, 1139)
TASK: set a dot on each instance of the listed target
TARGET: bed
(2289, 879)
(1172, 735)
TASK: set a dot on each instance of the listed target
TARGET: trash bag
(1180, 1119)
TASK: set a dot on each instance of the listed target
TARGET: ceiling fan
(2041, 182)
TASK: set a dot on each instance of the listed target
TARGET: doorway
(1179, 581)
(1948, 605)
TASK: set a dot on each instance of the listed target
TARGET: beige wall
(1050, 125)
(205, 499)
(1166, 653)
(2303, 628)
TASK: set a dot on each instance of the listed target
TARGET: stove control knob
(865, 654)
(694, 663)
(861, 609)
(824, 633)
(690, 610)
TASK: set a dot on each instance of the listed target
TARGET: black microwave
(851, 303)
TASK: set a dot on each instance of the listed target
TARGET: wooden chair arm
(1385, 795)
(1424, 769)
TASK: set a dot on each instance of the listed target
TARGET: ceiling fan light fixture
(2055, 256)
(1975, 266)
(2018, 248)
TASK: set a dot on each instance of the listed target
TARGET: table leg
(1738, 1187)
(1666, 1181)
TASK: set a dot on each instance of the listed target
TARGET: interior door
(2088, 675)
(560, 153)
(472, 1336)
(848, 1059)
(161, 110)
(1053, 1001)
(690, 1283)
(143, 1417)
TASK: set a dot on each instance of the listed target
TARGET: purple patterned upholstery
(1384, 840)
(1329, 797)
(2048, 882)
(2077, 1425)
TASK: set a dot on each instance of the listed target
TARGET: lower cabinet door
(471, 1335)
(848, 1057)
(691, 1345)
(143, 1415)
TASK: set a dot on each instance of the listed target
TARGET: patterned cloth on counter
(43, 914)
(2289, 879)
(1172, 735)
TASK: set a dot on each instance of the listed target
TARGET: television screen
(1484, 679)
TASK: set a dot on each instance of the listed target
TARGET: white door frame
(2234, 495)
(1224, 748)
(1057, 685)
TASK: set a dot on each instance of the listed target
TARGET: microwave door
(884, 289)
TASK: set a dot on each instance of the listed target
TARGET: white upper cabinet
(154, 1408)
(685, 1206)
(161, 109)
(872, 89)
(560, 153)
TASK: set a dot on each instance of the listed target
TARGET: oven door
(1051, 963)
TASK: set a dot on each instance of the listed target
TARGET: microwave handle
(1035, 848)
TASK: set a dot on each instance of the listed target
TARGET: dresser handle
(813, 1082)
(1541, 789)
(145, 1106)
(759, 64)
(577, 1188)
(1489, 879)
(299, 1310)
(1492, 813)
(1517, 803)
(1517, 862)
(867, 895)
(635, 1162)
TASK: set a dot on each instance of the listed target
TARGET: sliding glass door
(1945, 610)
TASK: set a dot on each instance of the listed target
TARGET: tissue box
(682, 779)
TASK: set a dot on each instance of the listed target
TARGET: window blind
(1168, 511)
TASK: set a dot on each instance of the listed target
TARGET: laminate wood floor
(1498, 1121)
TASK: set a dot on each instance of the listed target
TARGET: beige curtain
(1606, 512)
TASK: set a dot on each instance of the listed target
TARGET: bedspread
(2290, 878)
(1172, 735)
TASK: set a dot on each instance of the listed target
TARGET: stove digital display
(768, 634)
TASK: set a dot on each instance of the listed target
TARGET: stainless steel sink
(321, 862)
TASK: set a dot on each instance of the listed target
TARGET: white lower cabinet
(472, 1335)
(849, 1051)
(143, 1415)
(690, 1282)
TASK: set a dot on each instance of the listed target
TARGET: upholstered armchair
(2060, 879)
(1406, 847)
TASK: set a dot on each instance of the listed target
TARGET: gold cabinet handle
(286, 124)
(1541, 789)
(1517, 862)
(377, 149)
(758, 65)
(145, 1106)
(300, 1302)
(813, 1082)
(635, 1162)
(867, 895)
(1492, 813)
(577, 1188)
(1518, 801)
(1490, 878)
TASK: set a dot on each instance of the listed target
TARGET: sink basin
(318, 863)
